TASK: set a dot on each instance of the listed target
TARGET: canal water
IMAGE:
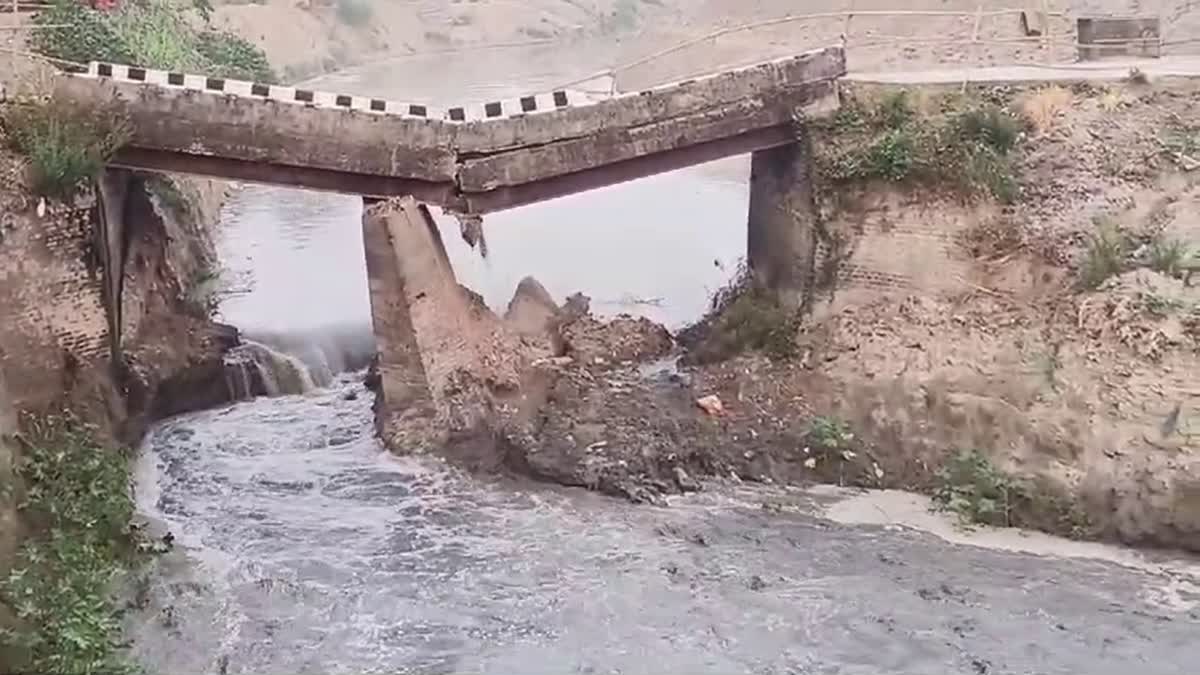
(302, 547)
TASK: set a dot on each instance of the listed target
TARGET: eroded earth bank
(1002, 316)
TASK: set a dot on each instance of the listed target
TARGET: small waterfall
(326, 351)
(254, 369)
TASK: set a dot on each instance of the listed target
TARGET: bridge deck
(474, 158)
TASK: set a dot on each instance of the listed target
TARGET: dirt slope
(308, 37)
(954, 324)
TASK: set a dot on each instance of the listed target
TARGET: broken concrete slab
(451, 372)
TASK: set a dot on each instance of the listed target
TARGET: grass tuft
(66, 147)
(1169, 257)
(743, 318)
(965, 146)
(1043, 107)
(1106, 255)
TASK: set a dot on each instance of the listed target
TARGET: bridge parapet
(524, 105)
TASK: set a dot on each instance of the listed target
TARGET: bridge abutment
(781, 232)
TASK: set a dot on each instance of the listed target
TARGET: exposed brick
(50, 303)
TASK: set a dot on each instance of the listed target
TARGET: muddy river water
(303, 548)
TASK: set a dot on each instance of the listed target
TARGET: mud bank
(55, 348)
(945, 324)
(55, 337)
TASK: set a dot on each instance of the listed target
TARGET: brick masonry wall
(51, 301)
(895, 242)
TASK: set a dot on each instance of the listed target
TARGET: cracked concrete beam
(198, 123)
(647, 107)
(618, 144)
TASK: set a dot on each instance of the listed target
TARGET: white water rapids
(303, 548)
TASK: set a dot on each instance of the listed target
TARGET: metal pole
(975, 46)
(12, 40)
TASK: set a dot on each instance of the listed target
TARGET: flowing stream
(301, 547)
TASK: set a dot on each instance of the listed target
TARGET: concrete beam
(370, 186)
(200, 123)
(604, 175)
(781, 232)
(621, 143)
(653, 106)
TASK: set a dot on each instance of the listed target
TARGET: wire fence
(1055, 40)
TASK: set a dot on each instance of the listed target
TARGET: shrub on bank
(66, 147)
(78, 499)
(976, 490)
(150, 33)
(971, 486)
(964, 145)
(229, 55)
(356, 13)
(742, 318)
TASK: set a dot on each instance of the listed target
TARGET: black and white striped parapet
(486, 156)
(524, 105)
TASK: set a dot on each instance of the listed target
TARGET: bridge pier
(403, 402)
(781, 228)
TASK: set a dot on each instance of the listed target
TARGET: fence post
(12, 40)
(846, 25)
(974, 41)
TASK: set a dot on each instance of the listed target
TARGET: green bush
(78, 497)
(987, 124)
(830, 433)
(234, 57)
(970, 486)
(157, 34)
(72, 31)
(67, 147)
(891, 156)
(356, 13)
(149, 33)
(745, 318)
(980, 493)
(965, 147)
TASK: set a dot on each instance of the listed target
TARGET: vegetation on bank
(149, 33)
(77, 500)
(742, 318)
(67, 147)
(1111, 250)
(959, 142)
(972, 487)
